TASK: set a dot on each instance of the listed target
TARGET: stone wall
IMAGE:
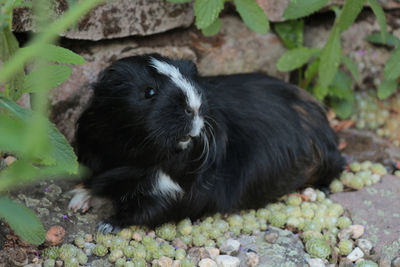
(131, 27)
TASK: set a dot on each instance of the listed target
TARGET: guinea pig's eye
(150, 92)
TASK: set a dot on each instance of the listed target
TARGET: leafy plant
(207, 15)
(322, 76)
(41, 150)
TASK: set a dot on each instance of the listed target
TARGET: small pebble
(213, 252)
(365, 245)
(207, 263)
(227, 261)
(230, 247)
(88, 238)
(357, 231)
(345, 262)
(55, 235)
(252, 259)
(9, 160)
(355, 254)
(136, 236)
(315, 262)
(179, 243)
(176, 263)
(271, 237)
(345, 233)
(396, 262)
(59, 263)
(384, 262)
(163, 262)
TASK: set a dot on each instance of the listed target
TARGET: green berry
(100, 250)
(336, 186)
(210, 243)
(129, 251)
(115, 255)
(120, 262)
(167, 250)
(263, 214)
(186, 263)
(312, 226)
(214, 233)
(71, 262)
(139, 262)
(235, 220)
(366, 165)
(51, 253)
(278, 219)
(221, 225)
(185, 227)
(308, 235)
(355, 183)
(294, 200)
(293, 222)
(129, 264)
(205, 226)
(345, 247)
(343, 222)
(125, 233)
(49, 263)
(118, 243)
(366, 263)
(320, 195)
(318, 248)
(236, 229)
(331, 238)
(397, 173)
(378, 168)
(292, 211)
(355, 166)
(330, 222)
(180, 254)
(307, 213)
(67, 251)
(166, 231)
(139, 252)
(79, 242)
(188, 240)
(199, 240)
(82, 258)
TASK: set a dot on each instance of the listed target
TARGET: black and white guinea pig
(164, 143)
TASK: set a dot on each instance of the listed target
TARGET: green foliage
(349, 13)
(253, 15)
(352, 67)
(380, 16)
(22, 220)
(291, 33)
(392, 67)
(301, 8)
(41, 150)
(387, 88)
(389, 40)
(207, 12)
(295, 58)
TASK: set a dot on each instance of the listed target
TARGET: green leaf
(349, 13)
(320, 92)
(387, 88)
(330, 58)
(351, 66)
(380, 16)
(8, 46)
(302, 8)
(213, 28)
(291, 33)
(295, 58)
(342, 107)
(60, 150)
(376, 38)
(207, 11)
(59, 54)
(392, 67)
(253, 15)
(59, 74)
(341, 86)
(11, 133)
(179, 1)
(311, 72)
(22, 220)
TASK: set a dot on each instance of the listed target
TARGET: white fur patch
(184, 144)
(166, 186)
(197, 125)
(192, 96)
(80, 200)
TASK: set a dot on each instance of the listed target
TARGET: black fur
(266, 138)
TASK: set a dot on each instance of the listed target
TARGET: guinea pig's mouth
(184, 142)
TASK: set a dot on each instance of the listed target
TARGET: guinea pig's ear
(187, 67)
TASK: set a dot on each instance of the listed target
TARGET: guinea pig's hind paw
(106, 228)
(80, 200)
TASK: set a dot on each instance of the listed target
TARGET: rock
(213, 252)
(33, 265)
(176, 263)
(117, 19)
(136, 236)
(227, 261)
(230, 247)
(179, 243)
(345, 233)
(239, 50)
(271, 237)
(9, 160)
(55, 235)
(396, 262)
(207, 263)
(384, 262)
(316, 262)
(59, 263)
(196, 254)
(356, 231)
(252, 259)
(163, 262)
(382, 224)
(345, 262)
(355, 254)
(365, 245)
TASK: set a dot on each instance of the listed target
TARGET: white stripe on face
(193, 98)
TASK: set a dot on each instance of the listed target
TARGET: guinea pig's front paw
(106, 227)
(80, 201)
